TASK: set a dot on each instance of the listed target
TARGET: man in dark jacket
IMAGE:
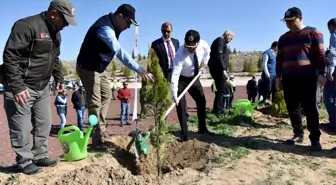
(252, 89)
(219, 59)
(165, 48)
(99, 47)
(78, 100)
(30, 58)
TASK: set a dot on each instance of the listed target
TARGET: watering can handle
(67, 129)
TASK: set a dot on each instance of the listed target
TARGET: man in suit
(219, 59)
(165, 48)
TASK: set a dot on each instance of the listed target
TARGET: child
(61, 106)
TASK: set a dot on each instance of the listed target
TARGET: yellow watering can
(75, 143)
(245, 107)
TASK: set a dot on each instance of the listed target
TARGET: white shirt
(167, 50)
(184, 63)
(264, 62)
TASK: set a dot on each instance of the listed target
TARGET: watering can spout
(257, 102)
(93, 120)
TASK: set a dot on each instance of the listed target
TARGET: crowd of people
(294, 64)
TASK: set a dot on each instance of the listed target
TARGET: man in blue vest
(268, 70)
(99, 47)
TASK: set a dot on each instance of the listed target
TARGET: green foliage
(144, 57)
(76, 75)
(235, 51)
(127, 72)
(114, 68)
(260, 64)
(250, 66)
(279, 106)
(133, 54)
(157, 98)
(230, 64)
(64, 70)
(139, 57)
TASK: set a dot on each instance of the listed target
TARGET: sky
(256, 23)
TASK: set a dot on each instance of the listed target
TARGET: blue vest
(271, 63)
(94, 54)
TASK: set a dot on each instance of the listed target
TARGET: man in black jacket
(252, 89)
(219, 59)
(79, 102)
(30, 58)
(165, 48)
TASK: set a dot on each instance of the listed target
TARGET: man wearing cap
(30, 58)
(79, 102)
(300, 64)
(268, 70)
(186, 67)
(219, 60)
(99, 47)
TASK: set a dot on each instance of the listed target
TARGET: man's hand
(146, 76)
(267, 77)
(59, 87)
(225, 74)
(279, 83)
(22, 97)
(330, 76)
(321, 80)
(175, 100)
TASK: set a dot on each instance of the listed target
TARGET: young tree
(114, 68)
(133, 55)
(159, 99)
(139, 57)
(64, 70)
(235, 51)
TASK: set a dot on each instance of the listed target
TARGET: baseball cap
(128, 10)
(66, 8)
(192, 37)
(292, 13)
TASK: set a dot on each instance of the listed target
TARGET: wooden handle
(182, 94)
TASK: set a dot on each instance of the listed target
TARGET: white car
(1, 88)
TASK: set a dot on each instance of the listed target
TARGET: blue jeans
(80, 117)
(63, 119)
(329, 98)
(125, 109)
(227, 101)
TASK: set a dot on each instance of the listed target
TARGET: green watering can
(245, 107)
(75, 143)
(140, 140)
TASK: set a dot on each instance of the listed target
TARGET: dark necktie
(196, 65)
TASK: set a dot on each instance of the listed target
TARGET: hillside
(237, 62)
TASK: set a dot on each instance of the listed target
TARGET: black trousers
(196, 92)
(252, 97)
(301, 91)
(218, 104)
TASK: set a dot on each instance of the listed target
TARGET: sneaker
(293, 140)
(128, 123)
(316, 146)
(46, 162)
(31, 169)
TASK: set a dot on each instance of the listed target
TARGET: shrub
(260, 64)
(250, 66)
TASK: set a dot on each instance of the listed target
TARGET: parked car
(1, 88)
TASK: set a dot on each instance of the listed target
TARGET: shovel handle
(182, 94)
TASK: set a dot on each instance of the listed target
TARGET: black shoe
(31, 169)
(207, 132)
(293, 140)
(316, 146)
(46, 162)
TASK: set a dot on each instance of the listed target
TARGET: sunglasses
(165, 31)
